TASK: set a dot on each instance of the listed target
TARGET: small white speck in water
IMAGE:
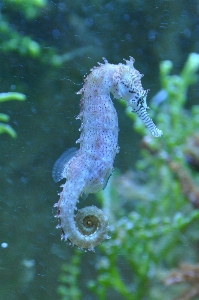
(4, 245)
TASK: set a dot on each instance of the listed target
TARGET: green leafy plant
(31, 8)
(68, 288)
(15, 41)
(6, 128)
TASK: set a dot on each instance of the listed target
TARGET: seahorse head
(127, 86)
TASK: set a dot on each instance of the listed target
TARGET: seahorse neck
(100, 81)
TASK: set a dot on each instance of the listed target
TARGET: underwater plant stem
(12, 96)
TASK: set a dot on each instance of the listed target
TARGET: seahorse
(88, 168)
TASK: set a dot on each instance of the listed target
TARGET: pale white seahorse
(88, 169)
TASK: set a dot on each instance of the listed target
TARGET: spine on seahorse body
(88, 169)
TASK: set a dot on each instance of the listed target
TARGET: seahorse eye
(140, 101)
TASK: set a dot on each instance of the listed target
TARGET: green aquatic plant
(6, 128)
(154, 209)
(13, 41)
(30, 8)
(69, 288)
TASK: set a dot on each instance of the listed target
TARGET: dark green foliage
(69, 289)
(30, 8)
(5, 128)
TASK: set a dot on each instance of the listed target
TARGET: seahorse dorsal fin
(60, 164)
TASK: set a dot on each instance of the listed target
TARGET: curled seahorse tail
(85, 230)
(144, 116)
(92, 223)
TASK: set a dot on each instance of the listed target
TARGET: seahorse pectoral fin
(106, 178)
(84, 195)
(144, 116)
(60, 164)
